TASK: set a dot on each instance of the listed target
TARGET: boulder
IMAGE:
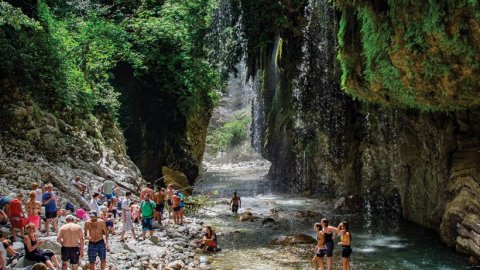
(246, 216)
(307, 213)
(268, 220)
(176, 265)
(295, 239)
(177, 178)
(52, 244)
(348, 204)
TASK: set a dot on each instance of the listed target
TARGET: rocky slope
(321, 141)
(39, 146)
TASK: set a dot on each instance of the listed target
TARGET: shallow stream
(377, 243)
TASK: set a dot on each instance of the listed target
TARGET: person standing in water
(320, 249)
(330, 233)
(235, 202)
(345, 240)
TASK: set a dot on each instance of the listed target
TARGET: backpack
(15, 208)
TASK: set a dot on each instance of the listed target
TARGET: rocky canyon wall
(40, 145)
(385, 149)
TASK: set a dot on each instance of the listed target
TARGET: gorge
(373, 102)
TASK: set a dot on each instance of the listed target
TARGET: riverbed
(378, 243)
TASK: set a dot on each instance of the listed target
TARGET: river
(380, 243)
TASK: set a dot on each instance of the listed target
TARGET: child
(135, 211)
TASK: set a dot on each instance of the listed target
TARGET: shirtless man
(235, 202)
(320, 249)
(95, 229)
(176, 208)
(170, 192)
(159, 199)
(70, 236)
(147, 191)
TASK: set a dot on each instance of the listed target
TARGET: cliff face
(157, 133)
(38, 144)
(139, 69)
(321, 141)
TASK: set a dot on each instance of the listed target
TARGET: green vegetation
(231, 134)
(64, 53)
(421, 54)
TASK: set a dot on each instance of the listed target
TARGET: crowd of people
(108, 203)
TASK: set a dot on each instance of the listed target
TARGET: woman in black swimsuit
(345, 240)
(330, 233)
(32, 252)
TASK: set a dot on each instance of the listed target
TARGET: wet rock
(246, 216)
(295, 239)
(307, 213)
(268, 220)
(348, 204)
(155, 239)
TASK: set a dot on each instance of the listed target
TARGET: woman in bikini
(345, 240)
(33, 209)
(320, 249)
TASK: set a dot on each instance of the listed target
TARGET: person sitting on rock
(106, 216)
(5, 203)
(235, 202)
(3, 256)
(3, 218)
(209, 240)
(10, 252)
(94, 202)
(32, 252)
(79, 185)
(112, 209)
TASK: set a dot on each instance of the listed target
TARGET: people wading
(235, 203)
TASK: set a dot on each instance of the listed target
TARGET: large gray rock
(289, 240)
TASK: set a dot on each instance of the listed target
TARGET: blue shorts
(109, 196)
(147, 223)
(97, 248)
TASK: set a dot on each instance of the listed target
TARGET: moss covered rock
(421, 54)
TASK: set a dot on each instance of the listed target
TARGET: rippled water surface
(377, 243)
